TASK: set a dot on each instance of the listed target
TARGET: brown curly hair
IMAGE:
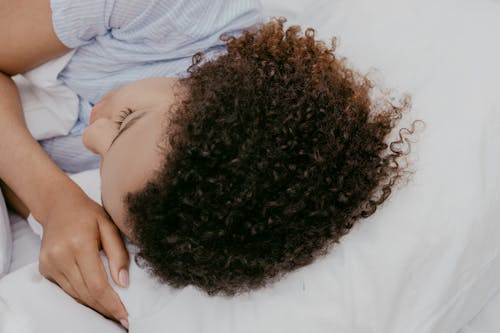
(274, 154)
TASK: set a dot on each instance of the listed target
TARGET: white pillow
(5, 238)
(50, 107)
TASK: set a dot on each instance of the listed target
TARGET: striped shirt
(121, 41)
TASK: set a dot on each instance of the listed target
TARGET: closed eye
(127, 125)
(122, 116)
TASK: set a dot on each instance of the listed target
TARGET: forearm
(24, 166)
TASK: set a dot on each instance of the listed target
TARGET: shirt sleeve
(79, 22)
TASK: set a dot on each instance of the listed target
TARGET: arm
(74, 226)
(28, 21)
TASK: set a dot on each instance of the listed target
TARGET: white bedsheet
(26, 244)
(5, 238)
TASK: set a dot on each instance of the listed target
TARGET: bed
(427, 261)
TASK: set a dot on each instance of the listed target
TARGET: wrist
(62, 194)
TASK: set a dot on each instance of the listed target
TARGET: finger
(74, 277)
(62, 281)
(95, 277)
(56, 276)
(116, 252)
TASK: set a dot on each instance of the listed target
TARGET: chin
(127, 234)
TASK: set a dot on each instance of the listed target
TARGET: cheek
(113, 197)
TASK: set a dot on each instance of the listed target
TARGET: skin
(151, 101)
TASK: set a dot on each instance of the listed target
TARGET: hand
(73, 233)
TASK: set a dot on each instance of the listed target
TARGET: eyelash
(123, 115)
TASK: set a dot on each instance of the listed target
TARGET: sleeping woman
(227, 169)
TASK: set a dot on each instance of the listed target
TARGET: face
(126, 128)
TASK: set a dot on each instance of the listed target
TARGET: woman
(246, 169)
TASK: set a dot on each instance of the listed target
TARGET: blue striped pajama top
(121, 41)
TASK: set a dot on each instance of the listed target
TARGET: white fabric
(26, 244)
(427, 261)
(487, 321)
(34, 304)
(35, 226)
(50, 107)
(5, 238)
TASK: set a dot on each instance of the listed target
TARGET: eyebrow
(127, 126)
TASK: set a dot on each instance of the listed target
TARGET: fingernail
(124, 323)
(123, 278)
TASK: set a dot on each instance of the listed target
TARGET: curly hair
(274, 153)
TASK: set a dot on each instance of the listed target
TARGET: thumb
(116, 252)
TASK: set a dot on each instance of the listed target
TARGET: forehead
(145, 93)
(131, 161)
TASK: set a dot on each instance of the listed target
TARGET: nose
(99, 135)
(95, 111)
